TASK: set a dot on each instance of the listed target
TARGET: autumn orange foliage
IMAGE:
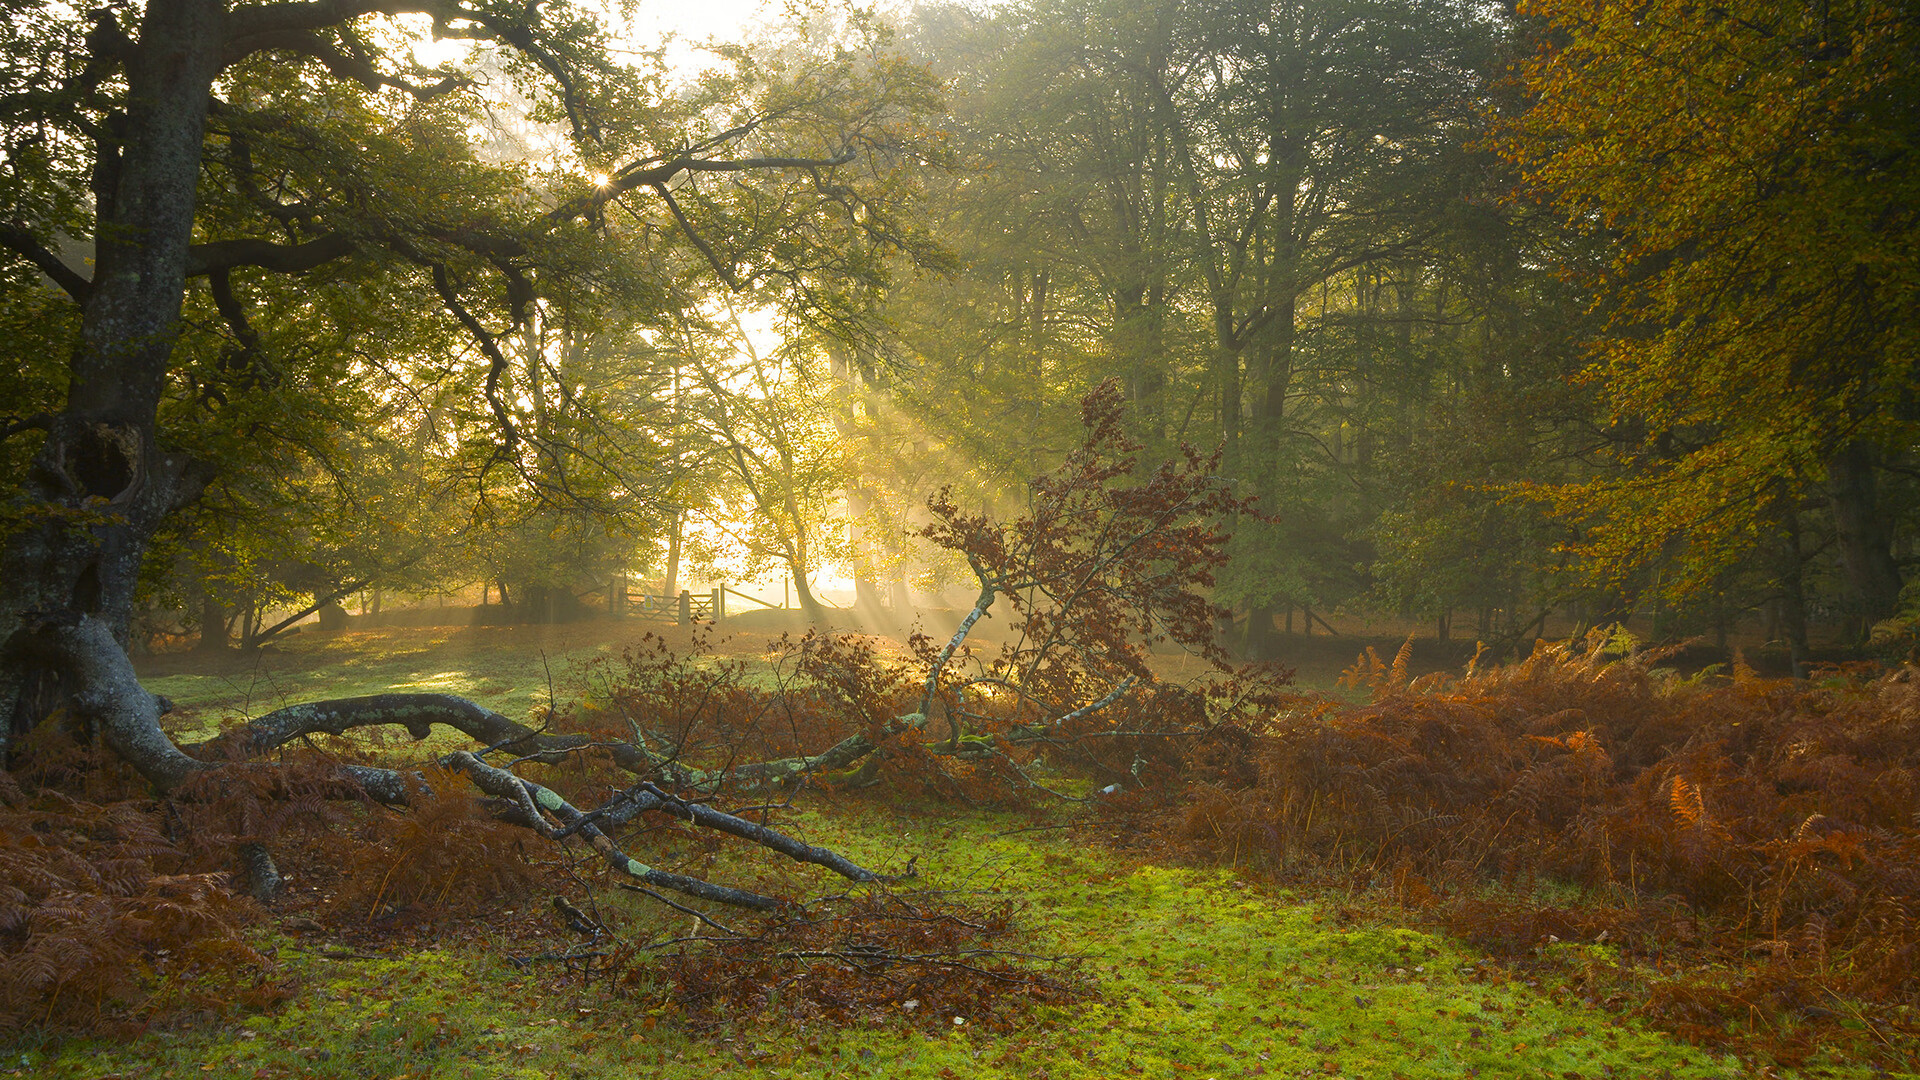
(1766, 826)
(98, 903)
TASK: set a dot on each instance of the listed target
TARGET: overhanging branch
(204, 259)
(23, 242)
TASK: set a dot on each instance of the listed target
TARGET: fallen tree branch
(418, 713)
(527, 793)
(647, 797)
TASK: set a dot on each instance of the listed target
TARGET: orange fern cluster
(95, 901)
(1757, 817)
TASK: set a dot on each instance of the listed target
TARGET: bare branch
(505, 785)
(359, 69)
(713, 258)
(989, 588)
(497, 363)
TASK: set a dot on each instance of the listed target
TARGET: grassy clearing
(507, 669)
(1192, 972)
(1195, 972)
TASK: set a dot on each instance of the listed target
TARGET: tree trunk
(804, 595)
(672, 581)
(866, 586)
(1137, 345)
(100, 484)
(1793, 599)
(1863, 534)
(213, 626)
(1262, 642)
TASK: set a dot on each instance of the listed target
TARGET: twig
(681, 908)
(1049, 828)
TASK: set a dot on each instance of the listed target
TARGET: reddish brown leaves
(1749, 818)
(896, 959)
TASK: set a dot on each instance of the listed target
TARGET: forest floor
(1180, 971)
(1189, 972)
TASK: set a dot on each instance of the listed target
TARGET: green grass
(1194, 973)
(507, 669)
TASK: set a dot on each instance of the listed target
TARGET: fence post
(713, 612)
(686, 608)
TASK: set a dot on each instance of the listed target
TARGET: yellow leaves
(1764, 269)
(1689, 809)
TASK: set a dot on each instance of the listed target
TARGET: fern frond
(1398, 675)
(1688, 807)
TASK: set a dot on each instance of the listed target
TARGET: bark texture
(1863, 533)
(101, 482)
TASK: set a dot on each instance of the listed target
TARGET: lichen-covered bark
(101, 483)
(646, 797)
(528, 794)
(418, 713)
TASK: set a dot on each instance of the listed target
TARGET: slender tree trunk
(1864, 534)
(1226, 375)
(1793, 598)
(673, 555)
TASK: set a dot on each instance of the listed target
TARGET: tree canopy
(1753, 169)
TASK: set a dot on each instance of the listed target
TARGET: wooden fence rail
(684, 609)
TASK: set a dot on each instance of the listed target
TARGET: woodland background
(1565, 312)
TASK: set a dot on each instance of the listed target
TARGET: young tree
(779, 465)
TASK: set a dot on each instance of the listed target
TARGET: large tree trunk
(1864, 534)
(1262, 642)
(101, 483)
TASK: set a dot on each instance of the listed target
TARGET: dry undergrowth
(1745, 850)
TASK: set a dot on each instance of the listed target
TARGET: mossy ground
(1192, 973)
